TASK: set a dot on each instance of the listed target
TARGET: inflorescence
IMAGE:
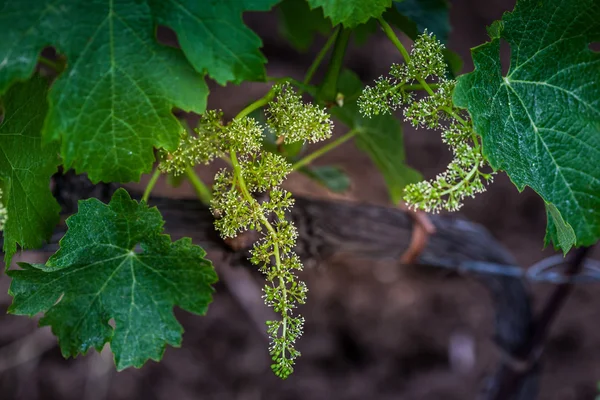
(236, 209)
(463, 176)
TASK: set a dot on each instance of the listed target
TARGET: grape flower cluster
(237, 209)
(464, 176)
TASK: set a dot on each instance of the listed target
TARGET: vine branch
(321, 151)
(320, 56)
(203, 192)
(151, 184)
(512, 380)
(328, 89)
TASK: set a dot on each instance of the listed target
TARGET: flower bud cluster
(294, 121)
(426, 57)
(383, 98)
(201, 148)
(463, 176)
(389, 93)
(447, 191)
(429, 111)
(237, 210)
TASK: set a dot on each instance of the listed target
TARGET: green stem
(237, 171)
(420, 87)
(455, 115)
(462, 182)
(263, 101)
(328, 147)
(328, 89)
(203, 192)
(425, 85)
(463, 122)
(319, 58)
(243, 188)
(389, 32)
(51, 64)
(151, 184)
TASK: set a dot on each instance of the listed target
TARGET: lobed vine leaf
(25, 168)
(540, 122)
(214, 37)
(115, 264)
(112, 105)
(351, 13)
(379, 136)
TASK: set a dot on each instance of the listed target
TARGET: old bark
(329, 228)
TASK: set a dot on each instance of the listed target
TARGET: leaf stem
(425, 85)
(263, 101)
(455, 115)
(151, 184)
(328, 89)
(243, 188)
(203, 192)
(389, 32)
(328, 147)
(319, 58)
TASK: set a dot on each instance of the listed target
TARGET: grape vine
(237, 209)
(464, 176)
(109, 115)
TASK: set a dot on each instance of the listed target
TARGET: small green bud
(243, 135)
(295, 121)
(426, 57)
(265, 172)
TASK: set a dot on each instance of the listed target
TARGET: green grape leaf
(351, 13)
(419, 15)
(559, 231)
(299, 24)
(333, 178)
(214, 37)
(541, 122)
(380, 137)
(26, 167)
(114, 264)
(113, 102)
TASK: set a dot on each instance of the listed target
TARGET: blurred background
(374, 330)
